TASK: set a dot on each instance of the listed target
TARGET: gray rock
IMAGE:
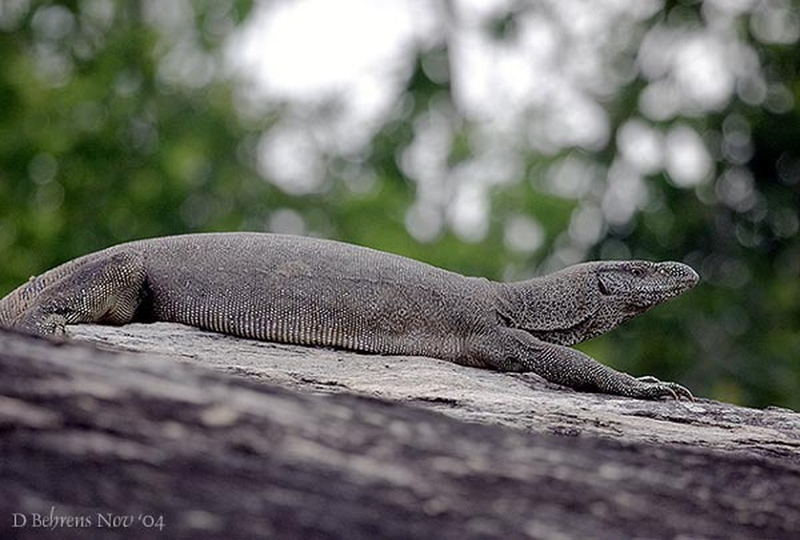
(199, 435)
(477, 395)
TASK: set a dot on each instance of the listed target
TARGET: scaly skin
(318, 292)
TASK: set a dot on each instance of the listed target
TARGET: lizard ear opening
(603, 287)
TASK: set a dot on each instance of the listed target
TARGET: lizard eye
(637, 272)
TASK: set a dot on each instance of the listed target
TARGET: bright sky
(307, 47)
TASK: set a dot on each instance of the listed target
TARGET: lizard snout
(680, 273)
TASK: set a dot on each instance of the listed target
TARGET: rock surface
(278, 441)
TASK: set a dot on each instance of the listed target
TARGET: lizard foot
(43, 325)
(654, 388)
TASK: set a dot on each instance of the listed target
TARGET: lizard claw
(680, 390)
(660, 388)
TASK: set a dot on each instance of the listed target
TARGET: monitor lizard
(309, 291)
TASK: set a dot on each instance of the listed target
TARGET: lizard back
(308, 291)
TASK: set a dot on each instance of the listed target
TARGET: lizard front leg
(512, 349)
(105, 290)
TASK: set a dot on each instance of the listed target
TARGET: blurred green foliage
(106, 135)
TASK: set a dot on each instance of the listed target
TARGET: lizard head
(629, 288)
(589, 299)
(638, 285)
